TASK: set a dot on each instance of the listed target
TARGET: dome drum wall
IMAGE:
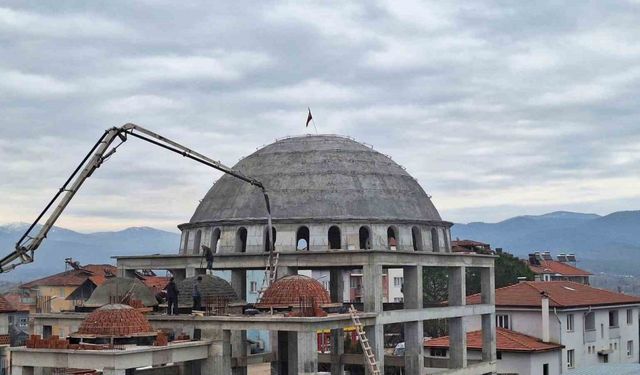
(252, 238)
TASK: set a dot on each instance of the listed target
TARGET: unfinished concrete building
(337, 205)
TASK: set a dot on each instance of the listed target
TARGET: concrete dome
(120, 288)
(318, 177)
(288, 290)
(211, 287)
(115, 321)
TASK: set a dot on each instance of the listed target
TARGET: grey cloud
(486, 98)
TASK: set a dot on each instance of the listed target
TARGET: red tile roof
(506, 341)
(115, 321)
(555, 267)
(562, 294)
(15, 300)
(6, 306)
(74, 277)
(157, 283)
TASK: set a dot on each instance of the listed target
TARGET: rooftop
(97, 273)
(6, 306)
(506, 341)
(562, 294)
(559, 268)
(318, 177)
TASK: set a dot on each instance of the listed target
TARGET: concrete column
(489, 337)
(457, 286)
(280, 346)
(307, 353)
(337, 350)
(25, 370)
(375, 335)
(110, 371)
(218, 361)
(336, 285)
(413, 331)
(239, 349)
(126, 273)
(239, 283)
(372, 287)
(457, 334)
(488, 286)
(457, 343)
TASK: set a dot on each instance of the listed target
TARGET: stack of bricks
(53, 342)
(161, 340)
(5, 339)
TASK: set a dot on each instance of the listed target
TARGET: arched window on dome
(302, 238)
(197, 241)
(416, 237)
(215, 240)
(241, 240)
(365, 238)
(392, 238)
(435, 242)
(266, 238)
(185, 246)
(334, 237)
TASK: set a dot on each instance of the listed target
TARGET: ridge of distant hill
(87, 248)
(608, 243)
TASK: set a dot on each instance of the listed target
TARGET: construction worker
(197, 296)
(172, 298)
(208, 255)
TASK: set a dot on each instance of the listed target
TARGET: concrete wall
(318, 233)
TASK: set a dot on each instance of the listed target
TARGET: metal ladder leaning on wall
(270, 273)
(364, 342)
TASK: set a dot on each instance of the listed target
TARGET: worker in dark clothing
(208, 255)
(196, 294)
(172, 298)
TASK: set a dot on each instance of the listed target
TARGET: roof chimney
(545, 316)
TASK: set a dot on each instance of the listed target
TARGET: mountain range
(609, 244)
(95, 248)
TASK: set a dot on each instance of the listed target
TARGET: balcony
(590, 335)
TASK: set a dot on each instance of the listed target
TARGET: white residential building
(595, 326)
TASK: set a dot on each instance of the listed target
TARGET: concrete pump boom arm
(27, 244)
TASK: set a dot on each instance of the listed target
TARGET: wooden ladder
(270, 273)
(364, 342)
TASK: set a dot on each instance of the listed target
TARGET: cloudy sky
(497, 108)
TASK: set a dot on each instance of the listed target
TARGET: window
(197, 241)
(571, 358)
(185, 247)
(253, 287)
(398, 299)
(266, 238)
(613, 318)
(215, 240)
(438, 352)
(416, 238)
(615, 346)
(570, 322)
(302, 238)
(545, 369)
(589, 349)
(629, 316)
(241, 240)
(498, 355)
(392, 238)
(334, 237)
(435, 243)
(502, 321)
(398, 281)
(365, 238)
(325, 285)
(630, 348)
(590, 321)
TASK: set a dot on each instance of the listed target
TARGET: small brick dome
(288, 290)
(116, 321)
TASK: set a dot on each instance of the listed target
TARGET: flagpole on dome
(310, 119)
